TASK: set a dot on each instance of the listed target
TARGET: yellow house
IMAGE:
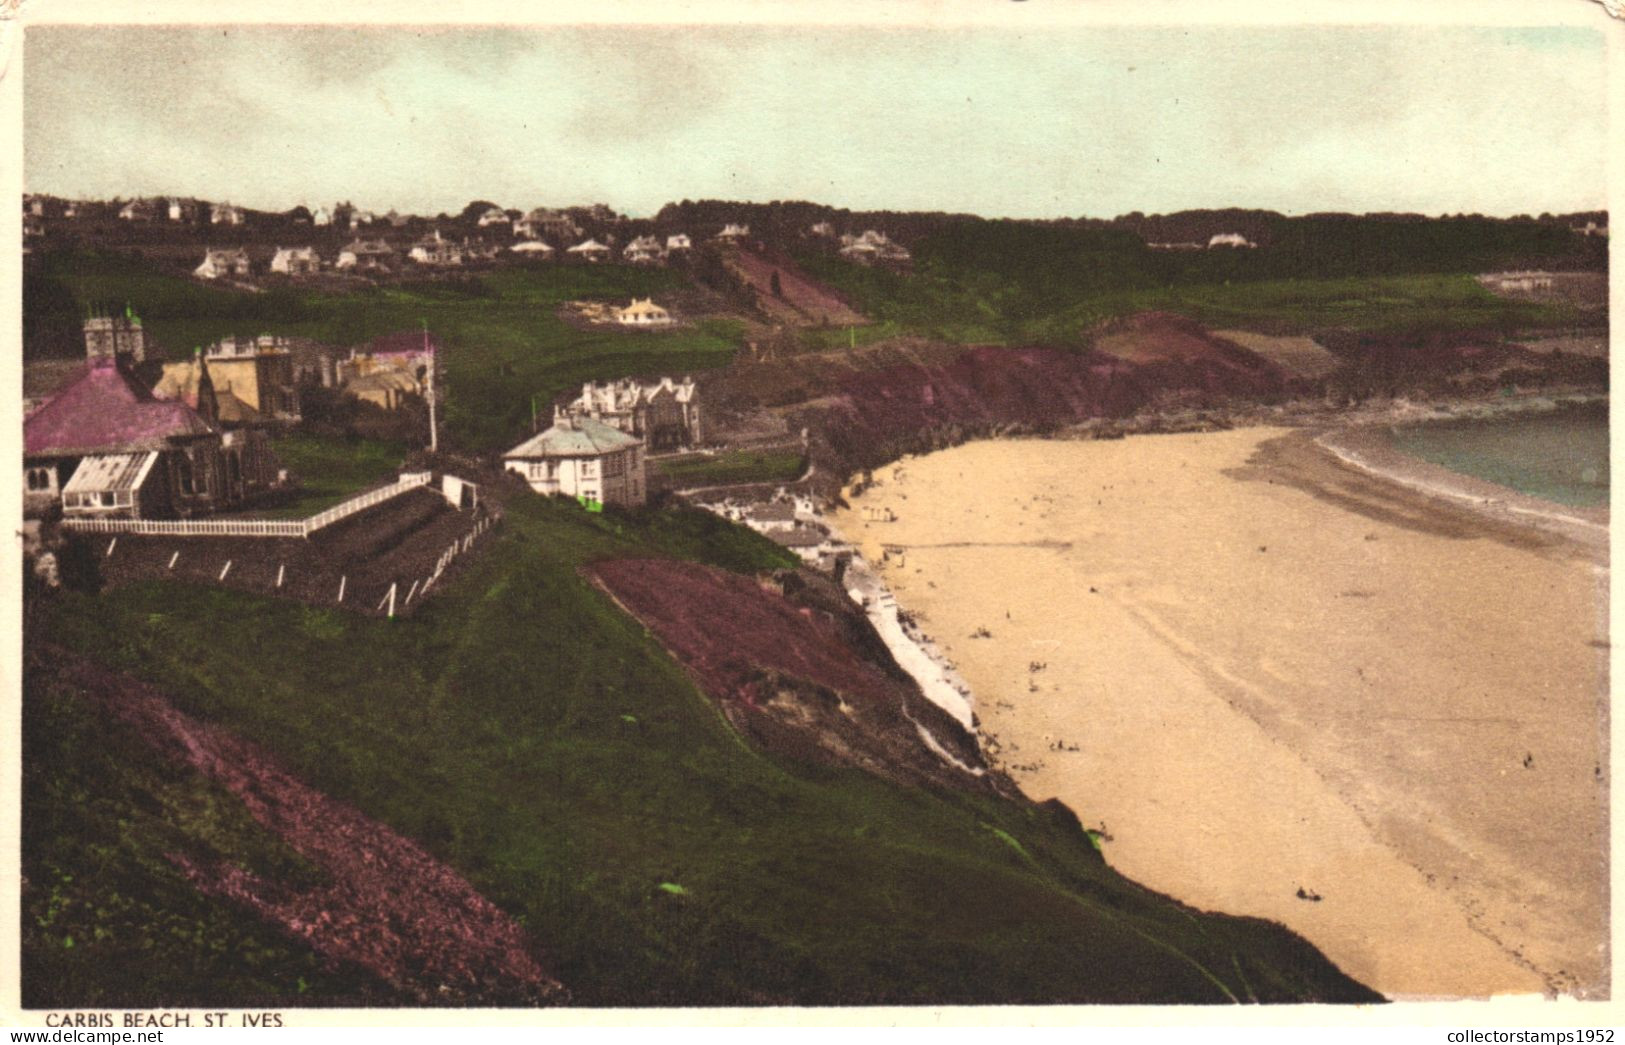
(261, 376)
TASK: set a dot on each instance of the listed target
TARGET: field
(733, 466)
(531, 736)
(973, 306)
(505, 341)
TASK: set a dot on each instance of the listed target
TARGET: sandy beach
(1285, 687)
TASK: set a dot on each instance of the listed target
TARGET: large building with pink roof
(103, 445)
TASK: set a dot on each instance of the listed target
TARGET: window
(39, 478)
(589, 469)
(614, 464)
(183, 474)
(107, 499)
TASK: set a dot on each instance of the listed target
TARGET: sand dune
(1262, 672)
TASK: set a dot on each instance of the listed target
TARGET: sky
(1063, 122)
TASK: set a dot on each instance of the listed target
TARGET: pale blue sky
(1063, 122)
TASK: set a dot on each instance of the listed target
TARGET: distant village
(348, 240)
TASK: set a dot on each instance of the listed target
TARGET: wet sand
(1262, 671)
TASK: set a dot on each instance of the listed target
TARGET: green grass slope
(967, 304)
(538, 740)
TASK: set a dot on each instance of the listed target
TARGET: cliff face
(866, 406)
(796, 668)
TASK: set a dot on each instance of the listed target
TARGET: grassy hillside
(535, 738)
(733, 466)
(963, 302)
(505, 340)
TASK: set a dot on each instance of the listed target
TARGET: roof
(800, 537)
(388, 378)
(588, 245)
(105, 411)
(642, 307)
(581, 437)
(531, 246)
(111, 472)
(368, 246)
(179, 383)
(776, 511)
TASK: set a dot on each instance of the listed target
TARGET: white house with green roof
(580, 457)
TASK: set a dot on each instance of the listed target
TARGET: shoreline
(1365, 447)
(1408, 880)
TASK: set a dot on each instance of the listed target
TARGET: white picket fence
(252, 527)
(420, 586)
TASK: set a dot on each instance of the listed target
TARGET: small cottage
(643, 312)
(221, 264)
(366, 256)
(644, 250)
(590, 251)
(296, 261)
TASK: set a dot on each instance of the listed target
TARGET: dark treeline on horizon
(1114, 254)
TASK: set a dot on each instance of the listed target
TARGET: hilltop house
(1591, 228)
(366, 256)
(543, 221)
(493, 216)
(359, 218)
(643, 312)
(1229, 239)
(732, 232)
(822, 229)
(582, 458)
(225, 214)
(220, 263)
(644, 250)
(321, 216)
(296, 261)
(434, 251)
(678, 241)
(104, 446)
(137, 210)
(182, 210)
(533, 248)
(871, 247)
(590, 251)
(665, 414)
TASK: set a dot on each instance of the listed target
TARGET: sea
(1559, 456)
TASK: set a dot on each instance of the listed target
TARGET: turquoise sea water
(1560, 456)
